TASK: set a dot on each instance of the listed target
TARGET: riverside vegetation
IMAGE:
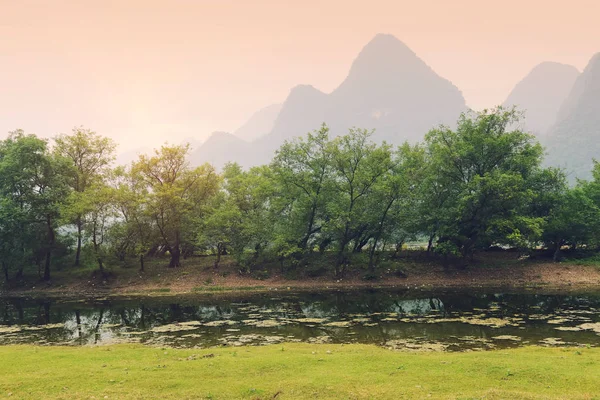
(344, 199)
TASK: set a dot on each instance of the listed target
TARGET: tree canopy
(477, 186)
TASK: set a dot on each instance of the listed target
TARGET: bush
(315, 270)
(261, 274)
(370, 276)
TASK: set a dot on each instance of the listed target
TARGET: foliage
(465, 189)
(177, 194)
(484, 168)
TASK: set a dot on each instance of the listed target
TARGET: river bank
(296, 371)
(198, 276)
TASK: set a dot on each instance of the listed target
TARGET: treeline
(462, 190)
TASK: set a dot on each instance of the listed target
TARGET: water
(396, 319)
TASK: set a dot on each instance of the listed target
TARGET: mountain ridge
(574, 140)
(541, 94)
(388, 88)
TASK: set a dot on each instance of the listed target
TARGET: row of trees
(461, 190)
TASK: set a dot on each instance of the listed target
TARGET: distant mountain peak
(573, 141)
(388, 89)
(220, 135)
(303, 90)
(259, 124)
(385, 42)
(595, 61)
(541, 93)
(387, 58)
(546, 65)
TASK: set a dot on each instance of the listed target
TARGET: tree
(241, 220)
(177, 195)
(394, 198)
(97, 205)
(357, 164)
(91, 155)
(302, 171)
(573, 220)
(221, 229)
(33, 185)
(483, 168)
(134, 231)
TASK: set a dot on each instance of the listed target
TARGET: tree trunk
(556, 255)
(175, 257)
(430, 243)
(101, 266)
(218, 260)
(340, 265)
(47, 265)
(175, 252)
(372, 257)
(5, 269)
(49, 249)
(142, 262)
(397, 249)
(379, 233)
(78, 320)
(19, 274)
(78, 252)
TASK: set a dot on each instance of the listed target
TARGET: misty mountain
(221, 148)
(129, 156)
(389, 89)
(259, 124)
(541, 93)
(574, 140)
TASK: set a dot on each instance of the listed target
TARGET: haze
(146, 72)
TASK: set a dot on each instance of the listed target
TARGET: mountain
(389, 89)
(303, 111)
(129, 156)
(574, 140)
(192, 142)
(541, 93)
(219, 149)
(259, 124)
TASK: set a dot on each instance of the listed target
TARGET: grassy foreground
(296, 371)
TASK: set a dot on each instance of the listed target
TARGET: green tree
(134, 232)
(302, 172)
(97, 203)
(483, 168)
(33, 186)
(91, 156)
(357, 165)
(241, 221)
(394, 199)
(177, 195)
(573, 221)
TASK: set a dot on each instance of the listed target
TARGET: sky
(150, 71)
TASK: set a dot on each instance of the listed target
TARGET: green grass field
(296, 371)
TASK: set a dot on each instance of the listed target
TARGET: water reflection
(397, 319)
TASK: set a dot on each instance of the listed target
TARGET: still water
(451, 321)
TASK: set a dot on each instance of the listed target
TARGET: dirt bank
(199, 276)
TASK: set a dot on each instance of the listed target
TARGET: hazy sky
(148, 71)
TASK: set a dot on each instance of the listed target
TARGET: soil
(198, 276)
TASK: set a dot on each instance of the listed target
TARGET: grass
(590, 261)
(296, 371)
(225, 289)
(159, 290)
